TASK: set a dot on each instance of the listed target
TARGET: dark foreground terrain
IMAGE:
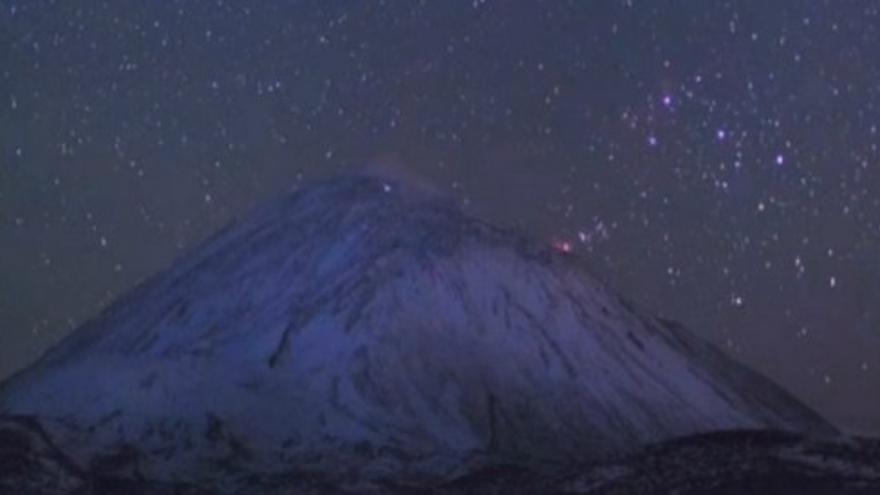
(737, 462)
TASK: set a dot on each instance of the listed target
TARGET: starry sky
(717, 161)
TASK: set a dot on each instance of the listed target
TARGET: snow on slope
(360, 328)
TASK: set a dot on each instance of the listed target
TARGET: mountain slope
(360, 328)
(731, 462)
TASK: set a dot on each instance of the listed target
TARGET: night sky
(717, 162)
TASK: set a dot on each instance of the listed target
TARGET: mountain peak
(389, 168)
(355, 326)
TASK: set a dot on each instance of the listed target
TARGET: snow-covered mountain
(363, 330)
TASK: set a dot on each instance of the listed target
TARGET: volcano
(360, 330)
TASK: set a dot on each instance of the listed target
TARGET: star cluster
(716, 161)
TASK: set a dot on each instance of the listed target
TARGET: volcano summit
(360, 332)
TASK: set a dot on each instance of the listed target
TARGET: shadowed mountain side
(726, 463)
